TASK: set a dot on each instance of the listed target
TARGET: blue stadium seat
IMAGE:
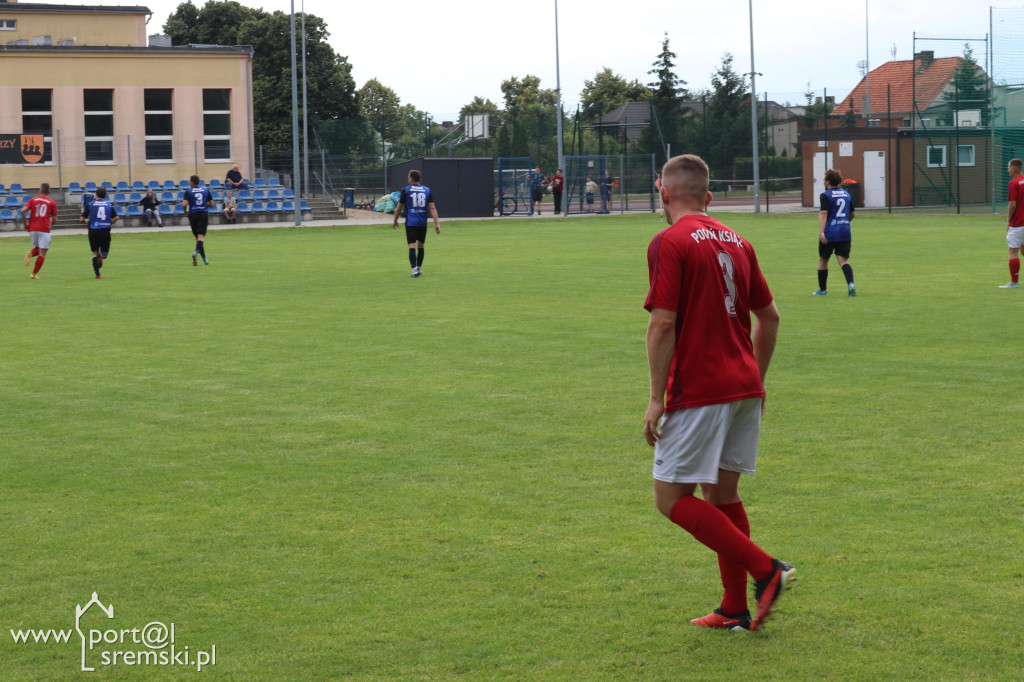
(259, 195)
(243, 208)
(288, 206)
(165, 209)
(134, 197)
(120, 198)
(272, 206)
(244, 195)
(119, 210)
(257, 207)
(274, 182)
(12, 202)
(215, 184)
(259, 182)
(183, 184)
(170, 185)
(7, 214)
(134, 210)
(72, 187)
(16, 188)
(275, 194)
(179, 209)
(304, 206)
(168, 197)
(217, 196)
(90, 187)
(107, 185)
(289, 194)
(154, 185)
(123, 186)
(25, 199)
(3, 190)
(138, 186)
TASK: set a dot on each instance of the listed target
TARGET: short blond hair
(686, 177)
(1017, 163)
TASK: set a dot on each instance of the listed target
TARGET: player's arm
(398, 212)
(823, 218)
(433, 214)
(1010, 211)
(53, 218)
(661, 342)
(765, 335)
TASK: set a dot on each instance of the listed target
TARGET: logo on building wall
(32, 148)
(21, 149)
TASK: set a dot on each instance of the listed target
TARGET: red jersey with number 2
(41, 209)
(709, 276)
(1015, 193)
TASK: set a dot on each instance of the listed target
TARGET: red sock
(39, 264)
(1014, 269)
(714, 529)
(734, 576)
(34, 251)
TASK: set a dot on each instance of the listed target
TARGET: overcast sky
(438, 55)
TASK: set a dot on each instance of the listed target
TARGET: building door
(820, 166)
(874, 179)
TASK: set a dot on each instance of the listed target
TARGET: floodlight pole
(753, 115)
(867, 70)
(305, 115)
(558, 92)
(295, 130)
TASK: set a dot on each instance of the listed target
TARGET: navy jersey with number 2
(415, 198)
(839, 205)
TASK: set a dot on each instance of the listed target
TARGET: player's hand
(822, 238)
(394, 225)
(655, 410)
(437, 229)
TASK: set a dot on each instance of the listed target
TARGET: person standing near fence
(418, 202)
(537, 182)
(607, 185)
(834, 231)
(1015, 221)
(39, 214)
(557, 184)
(197, 204)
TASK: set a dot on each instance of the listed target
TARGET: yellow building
(109, 106)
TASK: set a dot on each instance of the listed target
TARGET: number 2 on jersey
(729, 273)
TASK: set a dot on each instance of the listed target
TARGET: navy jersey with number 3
(415, 198)
(199, 199)
(839, 205)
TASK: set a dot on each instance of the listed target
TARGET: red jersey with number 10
(41, 209)
(709, 276)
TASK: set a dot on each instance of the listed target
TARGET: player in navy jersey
(101, 217)
(197, 204)
(834, 231)
(418, 202)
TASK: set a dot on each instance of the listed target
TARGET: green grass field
(330, 471)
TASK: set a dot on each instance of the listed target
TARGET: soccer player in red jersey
(39, 214)
(707, 386)
(1015, 220)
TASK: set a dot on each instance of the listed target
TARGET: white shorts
(40, 240)
(1015, 237)
(695, 443)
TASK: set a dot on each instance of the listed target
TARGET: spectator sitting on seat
(230, 207)
(234, 179)
(149, 205)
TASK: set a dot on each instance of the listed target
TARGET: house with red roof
(917, 144)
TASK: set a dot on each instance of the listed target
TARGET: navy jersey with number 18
(415, 198)
(839, 205)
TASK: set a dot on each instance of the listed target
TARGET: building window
(937, 156)
(8, 24)
(159, 125)
(216, 125)
(99, 126)
(37, 118)
(965, 155)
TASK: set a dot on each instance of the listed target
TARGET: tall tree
(381, 107)
(668, 92)
(332, 90)
(969, 89)
(608, 90)
(728, 114)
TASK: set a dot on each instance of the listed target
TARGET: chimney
(925, 57)
(158, 40)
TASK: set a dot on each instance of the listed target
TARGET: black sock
(96, 265)
(822, 279)
(848, 272)
(412, 257)
(419, 257)
(200, 249)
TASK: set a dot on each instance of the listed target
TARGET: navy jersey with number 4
(199, 199)
(839, 205)
(100, 214)
(415, 198)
